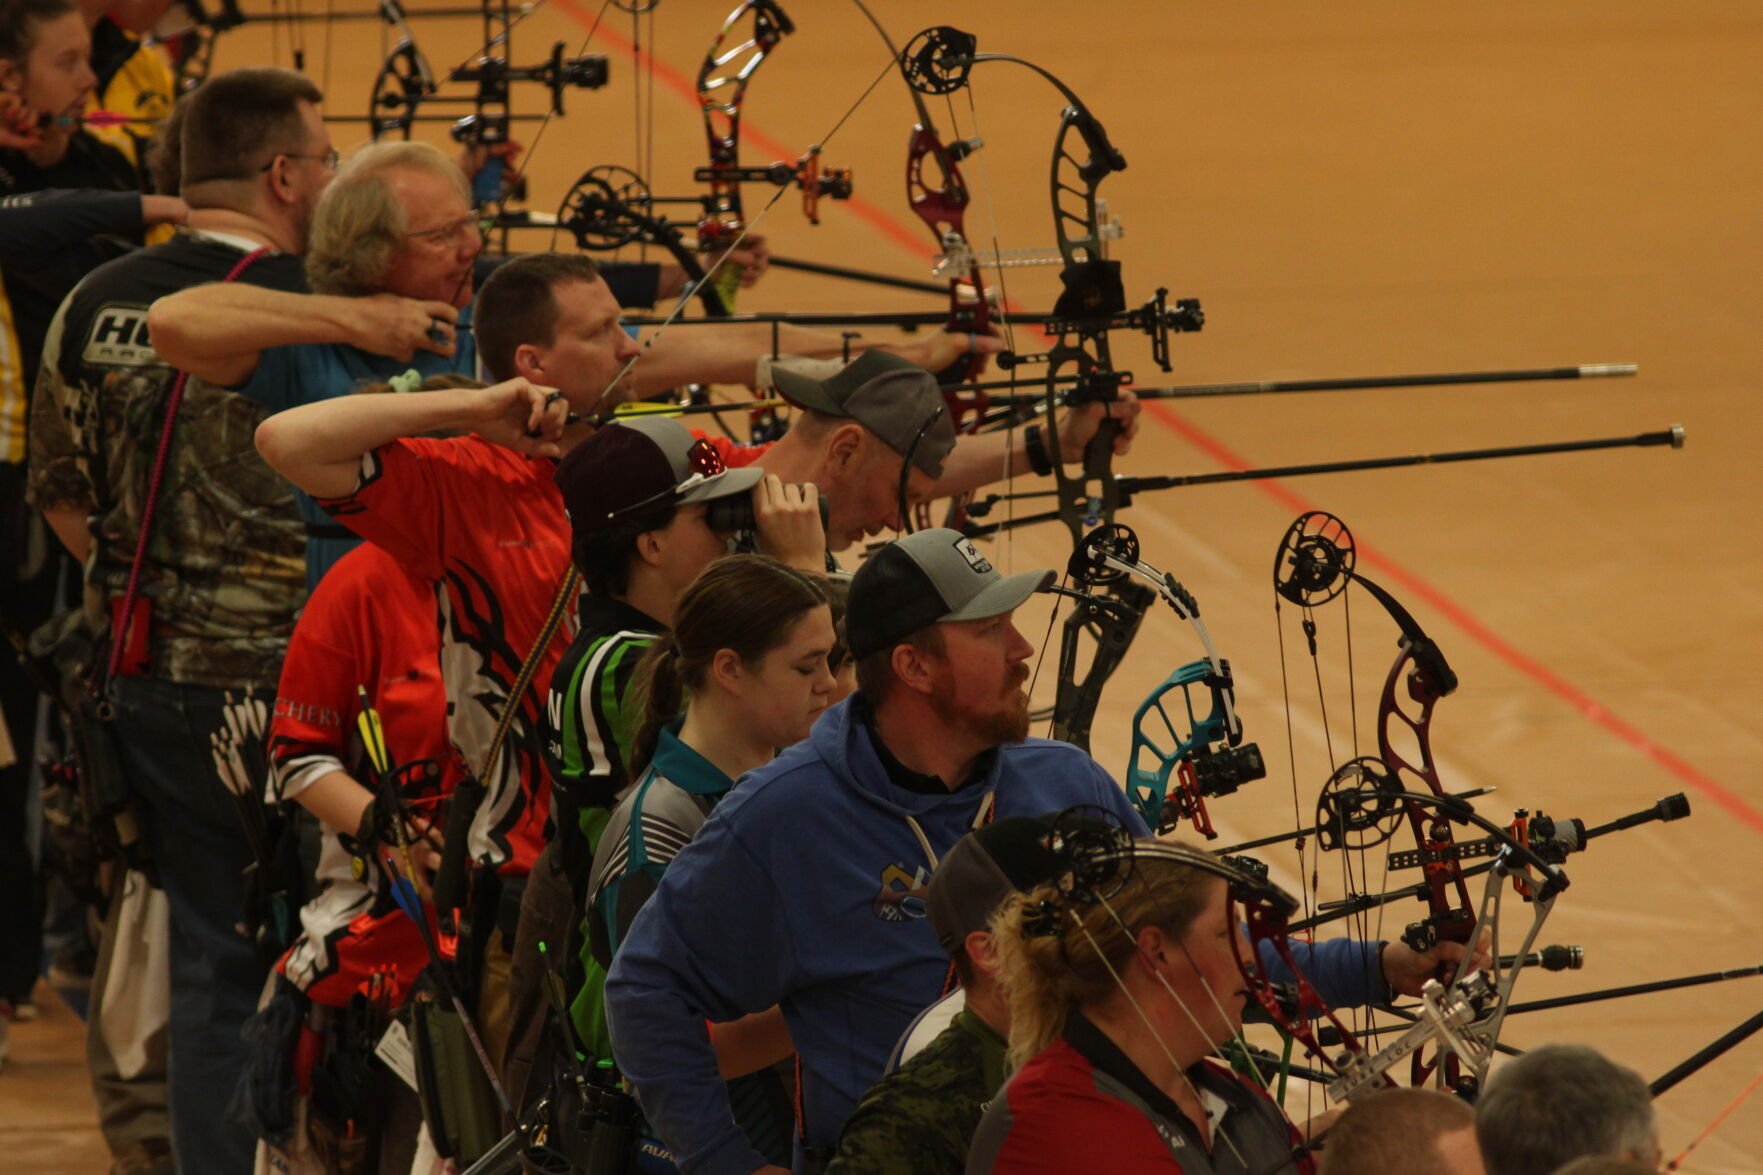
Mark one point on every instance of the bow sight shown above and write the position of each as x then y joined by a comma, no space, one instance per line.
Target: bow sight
405,83
1210,759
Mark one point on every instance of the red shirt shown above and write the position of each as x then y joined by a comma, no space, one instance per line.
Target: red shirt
1088,1108
369,625
488,524
734,454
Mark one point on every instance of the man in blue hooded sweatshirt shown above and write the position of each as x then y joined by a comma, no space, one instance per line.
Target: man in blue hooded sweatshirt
806,887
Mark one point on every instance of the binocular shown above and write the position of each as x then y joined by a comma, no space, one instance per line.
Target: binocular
735,512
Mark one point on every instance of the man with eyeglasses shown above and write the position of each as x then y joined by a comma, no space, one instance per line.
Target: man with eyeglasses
390,263
223,574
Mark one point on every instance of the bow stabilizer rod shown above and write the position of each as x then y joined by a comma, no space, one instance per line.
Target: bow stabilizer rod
1337,384
1616,993
1130,486
1552,840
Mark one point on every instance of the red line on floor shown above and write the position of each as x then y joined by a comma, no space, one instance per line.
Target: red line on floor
1589,707
1593,710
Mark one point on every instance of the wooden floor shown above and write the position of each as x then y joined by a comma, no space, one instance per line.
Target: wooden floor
1362,189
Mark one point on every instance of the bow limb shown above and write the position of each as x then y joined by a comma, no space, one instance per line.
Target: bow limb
722,82
192,43
404,82
938,195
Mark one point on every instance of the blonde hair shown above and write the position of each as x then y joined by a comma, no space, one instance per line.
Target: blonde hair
360,225
1055,957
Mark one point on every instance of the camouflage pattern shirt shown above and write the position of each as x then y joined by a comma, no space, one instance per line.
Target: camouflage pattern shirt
226,561
918,1119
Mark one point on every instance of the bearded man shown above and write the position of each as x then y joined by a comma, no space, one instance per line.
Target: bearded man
807,888
813,870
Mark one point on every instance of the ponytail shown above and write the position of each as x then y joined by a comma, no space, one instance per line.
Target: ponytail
1055,957
657,696
746,603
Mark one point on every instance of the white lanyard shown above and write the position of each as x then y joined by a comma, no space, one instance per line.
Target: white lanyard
980,820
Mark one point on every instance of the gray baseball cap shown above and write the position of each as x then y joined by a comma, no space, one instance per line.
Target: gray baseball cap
894,398
923,579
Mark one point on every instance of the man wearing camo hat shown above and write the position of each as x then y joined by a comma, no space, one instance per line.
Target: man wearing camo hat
814,869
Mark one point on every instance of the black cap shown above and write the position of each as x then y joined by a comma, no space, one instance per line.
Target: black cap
985,867
631,463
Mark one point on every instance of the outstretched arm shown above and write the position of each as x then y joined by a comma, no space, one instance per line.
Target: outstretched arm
981,459
319,446
711,353
217,332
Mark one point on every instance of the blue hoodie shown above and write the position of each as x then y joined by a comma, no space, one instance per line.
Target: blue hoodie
805,889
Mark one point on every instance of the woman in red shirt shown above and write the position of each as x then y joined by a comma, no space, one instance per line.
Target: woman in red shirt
1115,1006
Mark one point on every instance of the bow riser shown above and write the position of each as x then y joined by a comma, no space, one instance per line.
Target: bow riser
1451,915
1206,763
722,87
1294,1017
943,208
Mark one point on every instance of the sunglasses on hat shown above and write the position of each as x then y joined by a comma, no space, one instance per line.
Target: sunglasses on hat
704,462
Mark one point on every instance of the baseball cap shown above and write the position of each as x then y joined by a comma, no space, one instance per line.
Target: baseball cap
985,867
894,398
925,578
631,464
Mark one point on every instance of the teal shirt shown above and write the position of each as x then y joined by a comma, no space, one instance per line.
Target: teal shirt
663,811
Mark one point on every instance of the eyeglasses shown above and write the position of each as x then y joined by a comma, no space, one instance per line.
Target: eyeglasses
905,515
448,235
704,462
329,159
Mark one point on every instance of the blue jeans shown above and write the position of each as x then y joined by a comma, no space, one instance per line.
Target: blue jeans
200,854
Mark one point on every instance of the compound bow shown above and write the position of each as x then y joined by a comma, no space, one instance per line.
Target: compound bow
1366,799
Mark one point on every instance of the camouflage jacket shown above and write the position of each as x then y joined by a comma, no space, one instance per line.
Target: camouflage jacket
919,1119
226,561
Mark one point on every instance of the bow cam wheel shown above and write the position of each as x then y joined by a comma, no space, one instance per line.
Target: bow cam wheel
607,208
1360,806
1096,852
938,60
1315,560
1114,540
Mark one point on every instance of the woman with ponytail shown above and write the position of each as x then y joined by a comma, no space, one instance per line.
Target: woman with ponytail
1115,1008
744,672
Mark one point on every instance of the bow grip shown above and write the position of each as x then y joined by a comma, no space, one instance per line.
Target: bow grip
1101,495
449,886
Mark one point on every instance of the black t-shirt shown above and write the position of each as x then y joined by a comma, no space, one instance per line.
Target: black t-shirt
40,267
